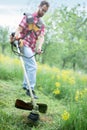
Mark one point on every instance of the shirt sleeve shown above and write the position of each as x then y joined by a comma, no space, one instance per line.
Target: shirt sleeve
23,22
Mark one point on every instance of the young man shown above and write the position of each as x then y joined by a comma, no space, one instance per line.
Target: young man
30,30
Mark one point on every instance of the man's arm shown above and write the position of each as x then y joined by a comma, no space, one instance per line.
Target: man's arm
15,35
18,31
40,43
21,26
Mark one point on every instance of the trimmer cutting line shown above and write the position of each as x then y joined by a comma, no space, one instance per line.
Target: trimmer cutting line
35,107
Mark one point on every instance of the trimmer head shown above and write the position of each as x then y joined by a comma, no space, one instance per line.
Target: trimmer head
33,119
29,106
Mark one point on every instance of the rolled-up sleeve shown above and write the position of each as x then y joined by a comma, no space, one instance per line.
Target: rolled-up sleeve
23,23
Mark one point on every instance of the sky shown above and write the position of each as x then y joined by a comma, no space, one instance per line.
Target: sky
11,11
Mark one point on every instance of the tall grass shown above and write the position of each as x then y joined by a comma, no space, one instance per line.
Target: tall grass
65,86
10,68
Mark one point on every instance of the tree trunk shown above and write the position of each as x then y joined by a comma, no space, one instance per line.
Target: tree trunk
74,66
64,62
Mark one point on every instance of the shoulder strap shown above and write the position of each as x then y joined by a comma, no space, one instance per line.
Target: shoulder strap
30,18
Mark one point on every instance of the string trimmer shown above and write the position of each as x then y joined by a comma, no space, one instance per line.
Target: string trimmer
33,106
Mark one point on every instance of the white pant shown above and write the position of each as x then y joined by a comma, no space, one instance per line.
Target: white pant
30,66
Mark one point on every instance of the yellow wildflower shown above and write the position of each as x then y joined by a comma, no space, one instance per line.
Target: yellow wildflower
77,95
80,94
56,92
65,116
72,80
84,78
57,84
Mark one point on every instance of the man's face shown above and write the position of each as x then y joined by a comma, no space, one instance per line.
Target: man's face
42,10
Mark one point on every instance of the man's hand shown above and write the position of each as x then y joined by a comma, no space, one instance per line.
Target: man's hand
39,51
21,42
12,38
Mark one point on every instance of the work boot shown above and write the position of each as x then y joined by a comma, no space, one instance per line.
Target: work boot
33,92
28,92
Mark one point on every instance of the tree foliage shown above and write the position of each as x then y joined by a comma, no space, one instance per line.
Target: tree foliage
4,33
66,38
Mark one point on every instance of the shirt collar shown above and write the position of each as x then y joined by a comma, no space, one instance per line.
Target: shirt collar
35,14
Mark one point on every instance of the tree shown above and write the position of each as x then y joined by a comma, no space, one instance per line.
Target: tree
4,33
66,37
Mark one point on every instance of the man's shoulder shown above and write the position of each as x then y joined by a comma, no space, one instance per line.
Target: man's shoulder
29,18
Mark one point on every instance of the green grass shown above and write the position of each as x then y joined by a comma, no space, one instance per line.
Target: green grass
16,119
12,118
64,91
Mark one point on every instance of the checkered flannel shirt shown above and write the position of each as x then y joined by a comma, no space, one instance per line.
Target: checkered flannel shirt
30,39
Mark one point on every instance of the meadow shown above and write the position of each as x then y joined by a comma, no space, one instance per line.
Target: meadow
64,91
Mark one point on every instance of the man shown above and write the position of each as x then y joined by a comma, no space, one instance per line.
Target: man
30,30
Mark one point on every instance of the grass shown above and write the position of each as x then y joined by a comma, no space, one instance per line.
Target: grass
64,91
16,119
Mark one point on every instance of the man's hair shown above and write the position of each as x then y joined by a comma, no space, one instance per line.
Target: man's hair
44,2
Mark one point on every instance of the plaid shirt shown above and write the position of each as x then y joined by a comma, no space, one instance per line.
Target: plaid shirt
30,39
